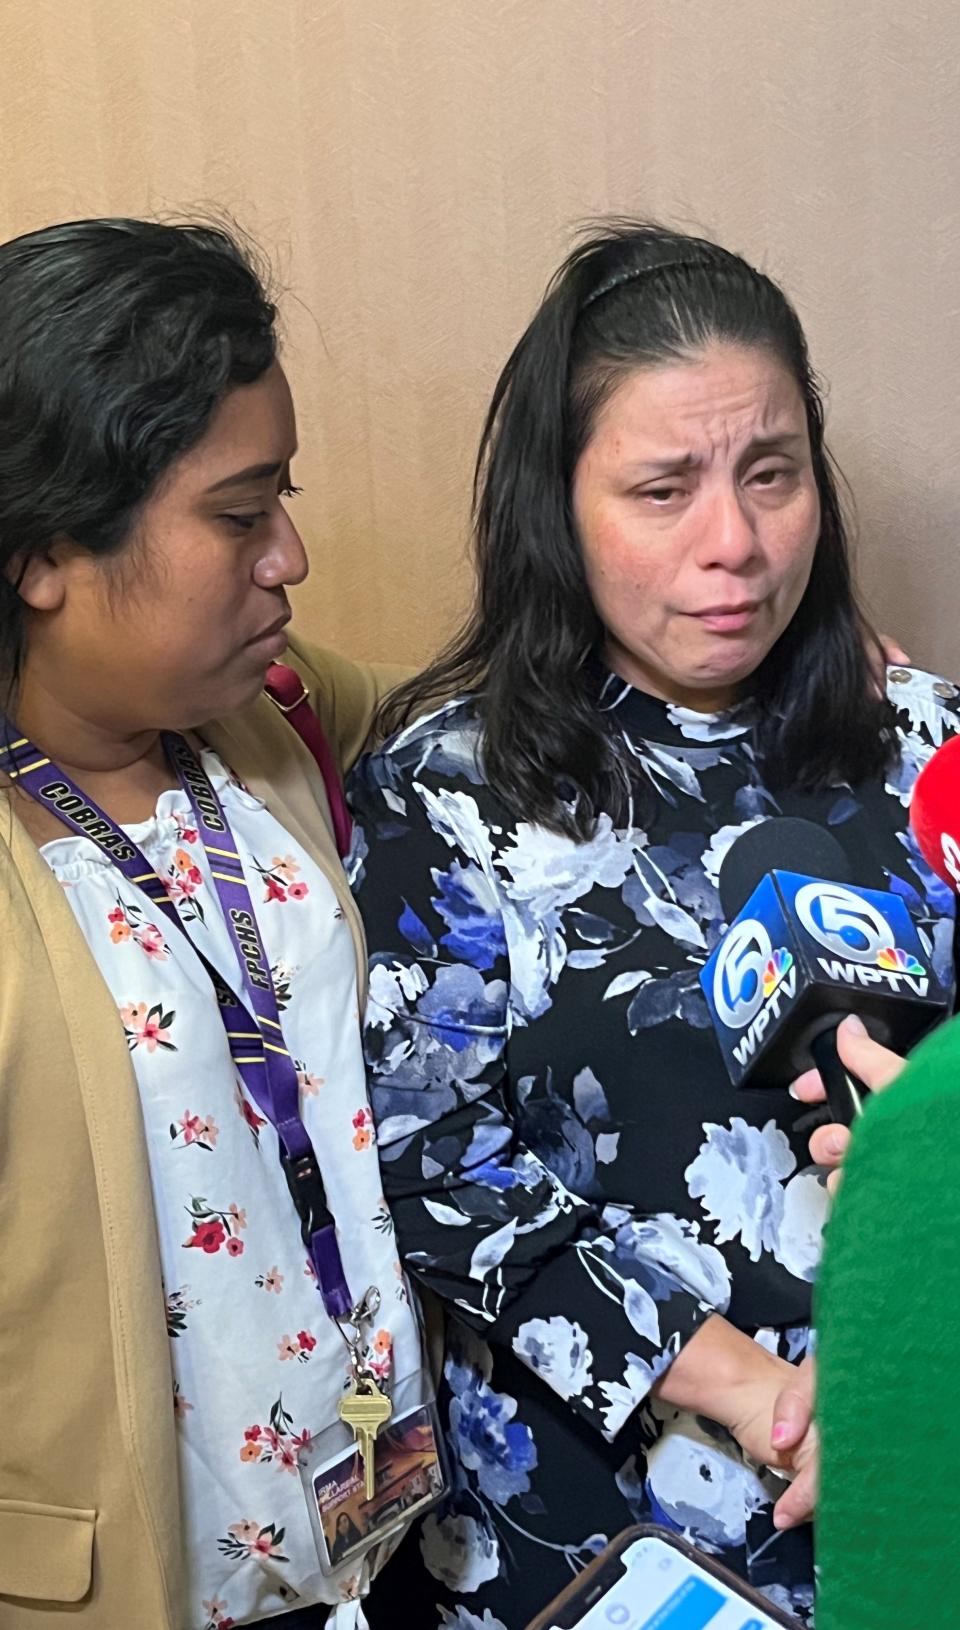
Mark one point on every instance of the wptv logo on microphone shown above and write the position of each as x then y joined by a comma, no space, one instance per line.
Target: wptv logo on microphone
802,952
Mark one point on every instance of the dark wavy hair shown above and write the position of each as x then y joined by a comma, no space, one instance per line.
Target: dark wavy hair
632,295
118,338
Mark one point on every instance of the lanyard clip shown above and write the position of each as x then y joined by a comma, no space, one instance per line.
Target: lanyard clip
307,1192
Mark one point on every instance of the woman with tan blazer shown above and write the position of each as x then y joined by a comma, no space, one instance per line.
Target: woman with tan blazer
175,1335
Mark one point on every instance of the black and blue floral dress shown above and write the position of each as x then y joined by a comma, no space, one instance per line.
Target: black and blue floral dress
570,1171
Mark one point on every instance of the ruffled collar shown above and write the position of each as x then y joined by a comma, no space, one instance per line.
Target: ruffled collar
649,718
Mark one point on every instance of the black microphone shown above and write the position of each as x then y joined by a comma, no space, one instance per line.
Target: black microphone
805,947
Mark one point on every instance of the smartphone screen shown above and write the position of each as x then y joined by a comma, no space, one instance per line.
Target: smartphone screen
662,1589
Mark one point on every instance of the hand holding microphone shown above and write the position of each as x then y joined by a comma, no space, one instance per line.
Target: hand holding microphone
872,1064
935,822
806,947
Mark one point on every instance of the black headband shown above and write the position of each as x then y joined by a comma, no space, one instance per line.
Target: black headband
630,273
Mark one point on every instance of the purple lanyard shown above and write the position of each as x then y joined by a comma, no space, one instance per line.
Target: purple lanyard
259,1056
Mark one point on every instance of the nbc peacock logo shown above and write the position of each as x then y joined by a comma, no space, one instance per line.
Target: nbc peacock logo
895,960
776,970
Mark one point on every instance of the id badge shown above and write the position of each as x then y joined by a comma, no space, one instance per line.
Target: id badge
410,1476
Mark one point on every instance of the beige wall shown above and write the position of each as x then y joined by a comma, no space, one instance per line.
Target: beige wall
415,166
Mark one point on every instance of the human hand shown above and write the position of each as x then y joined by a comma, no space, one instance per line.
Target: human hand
771,1412
876,1067
884,652
795,1435
778,1431
893,653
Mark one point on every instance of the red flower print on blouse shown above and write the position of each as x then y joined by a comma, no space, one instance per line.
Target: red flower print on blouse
188,834
253,1120
188,871
145,1027
203,1132
279,879
213,1228
363,1135
299,1349
151,941
379,1357
276,1443
182,881
127,923
209,1236
217,1617
247,1539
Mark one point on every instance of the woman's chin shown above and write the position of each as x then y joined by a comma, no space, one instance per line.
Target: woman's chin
218,701
734,665
241,696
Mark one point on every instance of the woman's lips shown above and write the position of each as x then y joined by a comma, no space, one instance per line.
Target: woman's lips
728,619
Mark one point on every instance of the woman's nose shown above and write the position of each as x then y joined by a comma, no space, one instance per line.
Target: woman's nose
285,561
729,536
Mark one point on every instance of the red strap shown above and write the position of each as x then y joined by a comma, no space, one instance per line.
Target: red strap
287,691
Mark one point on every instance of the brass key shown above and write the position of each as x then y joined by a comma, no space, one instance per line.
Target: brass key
365,1409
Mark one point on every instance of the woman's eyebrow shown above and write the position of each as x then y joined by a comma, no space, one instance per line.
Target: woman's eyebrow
254,472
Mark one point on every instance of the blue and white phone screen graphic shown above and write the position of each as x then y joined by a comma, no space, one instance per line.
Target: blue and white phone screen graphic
661,1589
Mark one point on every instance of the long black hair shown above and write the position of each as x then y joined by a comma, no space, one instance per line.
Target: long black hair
118,338
632,295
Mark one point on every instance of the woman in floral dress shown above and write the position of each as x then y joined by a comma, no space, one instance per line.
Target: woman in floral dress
666,649
168,1353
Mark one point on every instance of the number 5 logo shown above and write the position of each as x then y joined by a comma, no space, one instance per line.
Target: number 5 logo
738,976
843,922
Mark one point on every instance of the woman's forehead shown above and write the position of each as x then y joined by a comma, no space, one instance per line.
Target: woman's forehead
725,392
252,430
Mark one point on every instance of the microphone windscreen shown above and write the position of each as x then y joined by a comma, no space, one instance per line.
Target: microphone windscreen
935,812
783,844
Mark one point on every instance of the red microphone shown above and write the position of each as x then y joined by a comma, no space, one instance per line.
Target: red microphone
935,812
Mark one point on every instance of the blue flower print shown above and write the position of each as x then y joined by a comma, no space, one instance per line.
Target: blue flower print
415,932
458,1005
489,1441
663,1252
468,905
559,1350
570,1173
558,1137
460,1550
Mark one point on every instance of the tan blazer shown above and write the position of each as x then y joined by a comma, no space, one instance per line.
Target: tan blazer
89,1511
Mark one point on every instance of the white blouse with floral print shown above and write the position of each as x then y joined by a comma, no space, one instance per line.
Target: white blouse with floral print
257,1367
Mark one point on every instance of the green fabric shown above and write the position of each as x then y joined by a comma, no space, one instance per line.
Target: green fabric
888,1310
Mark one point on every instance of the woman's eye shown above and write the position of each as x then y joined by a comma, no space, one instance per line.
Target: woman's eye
662,495
769,478
244,523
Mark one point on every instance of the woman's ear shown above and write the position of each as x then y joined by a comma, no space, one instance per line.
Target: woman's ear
41,580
